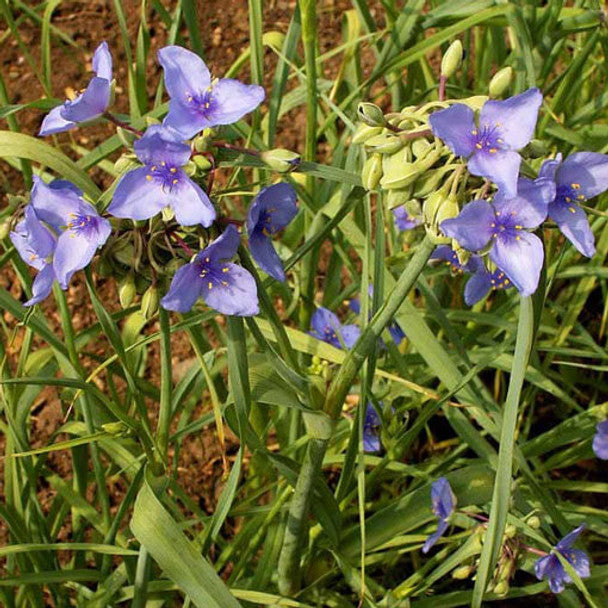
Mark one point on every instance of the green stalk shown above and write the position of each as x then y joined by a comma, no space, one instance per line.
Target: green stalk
289,559
164,415
503,480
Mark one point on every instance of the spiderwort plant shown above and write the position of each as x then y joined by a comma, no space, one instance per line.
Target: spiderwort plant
327,327
36,246
198,101
224,286
443,503
161,182
79,228
503,226
583,175
272,209
90,103
551,568
600,440
491,145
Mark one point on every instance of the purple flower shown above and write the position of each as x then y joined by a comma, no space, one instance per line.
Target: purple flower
580,177
90,104
482,280
371,430
226,287
551,568
197,100
405,221
161,182
394,329
443,504
327,327
272,209
80,228
600,440
504,127
36,246
502,226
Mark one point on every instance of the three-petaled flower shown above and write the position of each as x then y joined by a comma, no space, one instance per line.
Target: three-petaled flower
502,226
600,440
580,177
482,280
161,182
490,146
80,228
197,100
36,245
443,503
90,103
272,209
327,327
551,568
224,286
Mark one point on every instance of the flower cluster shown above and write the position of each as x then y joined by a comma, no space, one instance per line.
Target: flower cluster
61,232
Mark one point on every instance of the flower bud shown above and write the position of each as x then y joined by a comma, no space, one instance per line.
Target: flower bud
439,207
364,132
370,114
510,531
5,228
123,251
429,182
149,302
372,172
462,572
501,81
127,291
398,197
115,428
203,142
397,173
537,148
281,160
385,143
448,210
432,204
534,522
274,40
420,148
452,59
126,137
104,267
167,213
202,162
501,588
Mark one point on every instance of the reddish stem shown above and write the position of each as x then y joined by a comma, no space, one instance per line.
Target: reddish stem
227,146
122,124
178,239
535,551
442,82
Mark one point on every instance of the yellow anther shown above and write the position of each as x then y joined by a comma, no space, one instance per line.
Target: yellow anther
576,186
572,209
518,238
207,260
149,178
225,269
162,163
153,168
210,285
474,132
499,140
478,146
568,199
581,197
224,283
33,256
175,181
493,150
518,227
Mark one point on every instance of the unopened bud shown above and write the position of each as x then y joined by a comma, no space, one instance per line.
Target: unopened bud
281,160
202,143
370,114
452,59
127,291
167,213
149,302
501,81
385,143
537,148
462,572
420,148
5,228
372,172
104,267
501,588
202,162
364,132
274,40
534,522
397,173
115,428
126,137
510,531
413,208
429,182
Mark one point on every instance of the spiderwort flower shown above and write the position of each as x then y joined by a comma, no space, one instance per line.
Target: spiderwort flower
482,280
36,245
403,220
89,104
197,101
80,228
551,568
443,504
327,327
581,176
503,225
490,146
371,430
600,440
224,286
161,182
272,209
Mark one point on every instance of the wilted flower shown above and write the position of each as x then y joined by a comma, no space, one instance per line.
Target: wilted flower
272,209
197,100
600,440
224,286
504,127
80,228
36,245
503,225
482,280
443,504
161,182
371,430
403,220
327,327
580,177
551,568
90,103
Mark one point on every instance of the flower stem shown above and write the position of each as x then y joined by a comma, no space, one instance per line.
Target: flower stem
226,146
164,416
442,82
123,125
